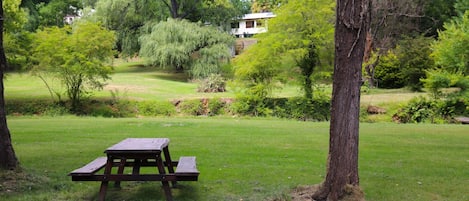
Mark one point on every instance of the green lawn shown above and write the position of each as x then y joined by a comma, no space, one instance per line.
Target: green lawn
243,159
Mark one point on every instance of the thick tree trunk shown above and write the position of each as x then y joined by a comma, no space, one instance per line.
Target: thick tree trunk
350,35
8,158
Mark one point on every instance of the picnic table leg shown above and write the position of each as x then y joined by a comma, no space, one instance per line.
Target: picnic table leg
168,160
120,171
161,170
136,168
105,182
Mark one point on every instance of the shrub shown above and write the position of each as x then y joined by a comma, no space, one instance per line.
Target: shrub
32,107
215,106
191,107
421,109
304,109
213,83
250,105
156,108
108,108
388,72
417,110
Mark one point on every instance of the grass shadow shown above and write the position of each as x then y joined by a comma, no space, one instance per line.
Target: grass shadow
146,191
154,72
171,76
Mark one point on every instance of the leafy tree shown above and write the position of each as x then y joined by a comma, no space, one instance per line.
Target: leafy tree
183,45
15,16
299,38
404,65
414,60
79,62
8,159
388,72
259,6
303,30
16,40
461,6
451,51
352,21
51,13
222,12
126,18
438,79
435,14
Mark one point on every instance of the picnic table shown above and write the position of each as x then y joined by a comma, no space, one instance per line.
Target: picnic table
137,153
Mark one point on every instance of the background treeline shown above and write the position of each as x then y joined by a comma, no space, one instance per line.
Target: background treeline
420,45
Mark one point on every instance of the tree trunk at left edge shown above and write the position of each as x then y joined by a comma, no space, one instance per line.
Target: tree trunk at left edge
8,158
352,22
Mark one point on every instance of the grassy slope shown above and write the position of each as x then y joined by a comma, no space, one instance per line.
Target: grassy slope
245,159
132,80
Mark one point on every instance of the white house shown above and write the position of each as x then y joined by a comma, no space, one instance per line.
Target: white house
251,24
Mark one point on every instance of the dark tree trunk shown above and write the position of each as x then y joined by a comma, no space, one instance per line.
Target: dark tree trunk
350,35
180,9
174,9
8,158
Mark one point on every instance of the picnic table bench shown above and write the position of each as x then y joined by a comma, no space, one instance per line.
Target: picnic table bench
137,153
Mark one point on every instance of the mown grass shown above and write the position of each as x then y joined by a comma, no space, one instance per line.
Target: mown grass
243,159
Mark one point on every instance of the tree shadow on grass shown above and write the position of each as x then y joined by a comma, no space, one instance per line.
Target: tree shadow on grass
156,73
150,191
171,76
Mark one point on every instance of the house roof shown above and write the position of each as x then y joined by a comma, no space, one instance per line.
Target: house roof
252,16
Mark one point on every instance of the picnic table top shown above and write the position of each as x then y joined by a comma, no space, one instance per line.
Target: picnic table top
138,145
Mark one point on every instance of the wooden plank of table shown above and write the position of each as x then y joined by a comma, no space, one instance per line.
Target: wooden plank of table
139,145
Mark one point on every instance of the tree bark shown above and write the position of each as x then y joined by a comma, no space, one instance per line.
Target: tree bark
8,158
352,21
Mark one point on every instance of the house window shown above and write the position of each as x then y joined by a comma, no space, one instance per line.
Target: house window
250,24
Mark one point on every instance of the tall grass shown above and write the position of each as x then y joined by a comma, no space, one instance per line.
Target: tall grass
243,159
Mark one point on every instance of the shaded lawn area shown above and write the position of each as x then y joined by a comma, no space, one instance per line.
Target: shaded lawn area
242,159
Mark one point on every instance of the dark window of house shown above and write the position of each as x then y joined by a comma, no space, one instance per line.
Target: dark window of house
249,24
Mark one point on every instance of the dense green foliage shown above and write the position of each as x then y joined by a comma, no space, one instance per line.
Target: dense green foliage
387,72
16,40
79,62
421,110
126,17
43,13
285,54
298,43
182,45
414,60
451,51
405,65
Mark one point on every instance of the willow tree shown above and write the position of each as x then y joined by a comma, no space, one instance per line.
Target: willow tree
126,18
186,46
352,22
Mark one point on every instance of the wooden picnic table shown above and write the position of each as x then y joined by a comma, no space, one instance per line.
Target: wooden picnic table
137,153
